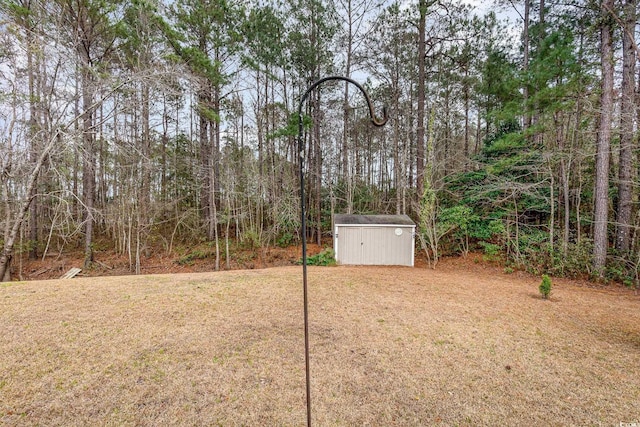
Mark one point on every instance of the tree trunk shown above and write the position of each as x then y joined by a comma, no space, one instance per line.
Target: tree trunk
163,162
345,116
318,168
420,163
467,108
204,169
525,66
88,167
538,137
398,170
145,188
32,66
215,142
564,176
601,193
627,116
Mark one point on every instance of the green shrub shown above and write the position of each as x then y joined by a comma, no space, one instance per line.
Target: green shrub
620,269
250,239
492,252
285,240
576,261
189,258
545,287
324,258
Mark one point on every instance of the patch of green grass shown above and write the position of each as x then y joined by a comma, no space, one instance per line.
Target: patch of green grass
8,284
218,360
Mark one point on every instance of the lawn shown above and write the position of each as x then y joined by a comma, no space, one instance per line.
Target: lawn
462,345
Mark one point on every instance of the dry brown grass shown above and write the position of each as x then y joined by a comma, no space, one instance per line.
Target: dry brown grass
389,346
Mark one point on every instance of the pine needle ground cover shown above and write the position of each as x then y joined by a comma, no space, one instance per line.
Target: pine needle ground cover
389,346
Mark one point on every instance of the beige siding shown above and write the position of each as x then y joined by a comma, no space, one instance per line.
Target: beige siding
374,245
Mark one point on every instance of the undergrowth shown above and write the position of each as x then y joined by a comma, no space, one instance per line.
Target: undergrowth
324,258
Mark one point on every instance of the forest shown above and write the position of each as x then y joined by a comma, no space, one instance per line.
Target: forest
138,126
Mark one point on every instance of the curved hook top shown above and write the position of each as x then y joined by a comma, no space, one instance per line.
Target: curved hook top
376,122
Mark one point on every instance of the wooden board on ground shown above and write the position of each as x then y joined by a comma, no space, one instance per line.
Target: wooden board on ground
71,273
41,271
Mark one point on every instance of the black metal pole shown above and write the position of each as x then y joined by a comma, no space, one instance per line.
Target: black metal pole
303,232
303,219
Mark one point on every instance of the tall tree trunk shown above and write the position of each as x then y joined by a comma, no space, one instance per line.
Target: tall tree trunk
88,167
627,117
318,168
32,69
205,153
145,188
345,116
76,153
538,137
467,108
348,179
216,95
214,168
601,193
420,161
525,65
566,204
163,162
259,113
398,170
447,140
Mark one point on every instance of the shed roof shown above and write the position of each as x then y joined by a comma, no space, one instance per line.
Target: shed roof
342,219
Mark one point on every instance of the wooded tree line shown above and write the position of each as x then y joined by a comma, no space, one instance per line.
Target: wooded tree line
147,124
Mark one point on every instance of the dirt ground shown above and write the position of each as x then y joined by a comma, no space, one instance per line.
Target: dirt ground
462,345
197,258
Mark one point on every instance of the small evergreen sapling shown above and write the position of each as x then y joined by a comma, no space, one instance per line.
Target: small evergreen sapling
545,287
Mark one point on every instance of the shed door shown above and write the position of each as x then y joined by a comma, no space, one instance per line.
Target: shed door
350,245
363,246
373,246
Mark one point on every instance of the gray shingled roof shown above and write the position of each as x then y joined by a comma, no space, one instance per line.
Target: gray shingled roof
343,219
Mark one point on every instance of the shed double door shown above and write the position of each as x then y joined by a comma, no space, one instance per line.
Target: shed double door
365,246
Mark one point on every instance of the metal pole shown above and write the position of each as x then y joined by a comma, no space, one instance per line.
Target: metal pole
303,232
303,220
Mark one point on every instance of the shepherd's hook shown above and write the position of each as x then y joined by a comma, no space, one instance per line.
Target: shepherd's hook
303,223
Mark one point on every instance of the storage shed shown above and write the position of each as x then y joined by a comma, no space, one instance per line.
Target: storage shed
374,239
